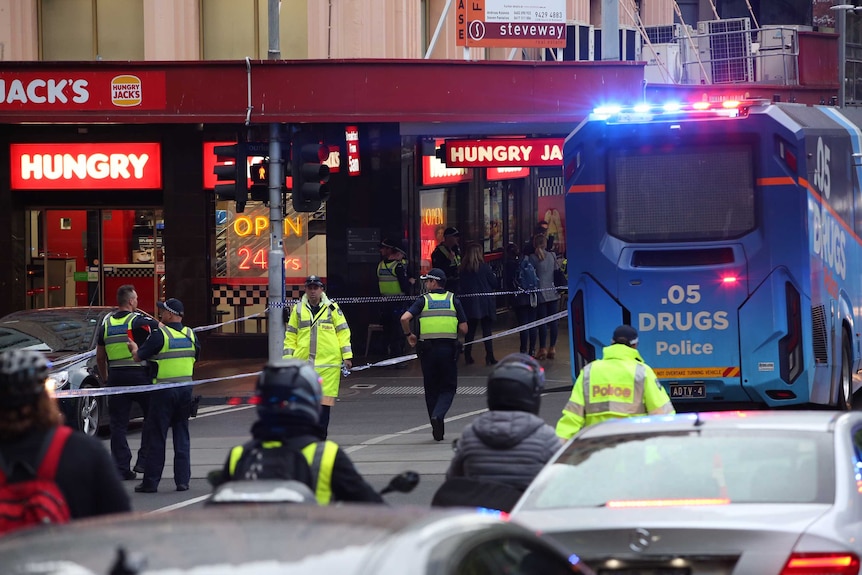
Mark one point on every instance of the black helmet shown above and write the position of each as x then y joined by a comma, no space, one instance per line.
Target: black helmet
22,377
516,384
289,388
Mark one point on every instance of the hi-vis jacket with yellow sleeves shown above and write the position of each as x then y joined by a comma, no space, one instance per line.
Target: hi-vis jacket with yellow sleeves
322,338
619,385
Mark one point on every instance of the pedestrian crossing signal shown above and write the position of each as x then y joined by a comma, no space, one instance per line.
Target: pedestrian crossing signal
310,174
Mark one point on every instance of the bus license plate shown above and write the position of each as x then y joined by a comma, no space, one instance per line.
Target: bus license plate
691,391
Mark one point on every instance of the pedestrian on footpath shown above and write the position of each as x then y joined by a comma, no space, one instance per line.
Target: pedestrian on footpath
441,319
317,332
619,385
547,297
447,257
477,277
76,469
118,369
288,441
393,280
173,350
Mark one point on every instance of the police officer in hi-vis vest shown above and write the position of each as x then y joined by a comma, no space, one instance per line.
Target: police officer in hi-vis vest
618,385
288,409
393,280
118,369
441,319
173,350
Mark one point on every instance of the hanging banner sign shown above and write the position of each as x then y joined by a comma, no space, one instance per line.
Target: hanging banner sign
508,24
515,152
103,166
351,134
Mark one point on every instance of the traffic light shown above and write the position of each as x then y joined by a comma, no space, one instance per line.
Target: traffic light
310,175
232,167
259,191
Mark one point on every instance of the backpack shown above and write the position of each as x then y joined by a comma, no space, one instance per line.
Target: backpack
283,462
528,279
36,500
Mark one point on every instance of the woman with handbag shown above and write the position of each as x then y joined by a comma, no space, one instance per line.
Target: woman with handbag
477,277
548,297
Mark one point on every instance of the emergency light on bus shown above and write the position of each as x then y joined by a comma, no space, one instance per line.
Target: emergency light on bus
646,112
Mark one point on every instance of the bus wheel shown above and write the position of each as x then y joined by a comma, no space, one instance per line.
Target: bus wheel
845,391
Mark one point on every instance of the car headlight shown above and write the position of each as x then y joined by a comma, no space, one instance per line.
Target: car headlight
57,380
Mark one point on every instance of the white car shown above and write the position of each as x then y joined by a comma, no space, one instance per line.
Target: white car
736,493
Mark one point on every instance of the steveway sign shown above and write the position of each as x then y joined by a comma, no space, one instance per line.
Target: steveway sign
511,23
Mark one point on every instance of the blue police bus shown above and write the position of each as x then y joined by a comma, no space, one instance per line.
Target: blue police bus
728,233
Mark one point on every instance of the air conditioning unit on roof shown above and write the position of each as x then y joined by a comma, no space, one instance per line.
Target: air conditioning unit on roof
777,54
579,44
724,48
630,43
663,63
666,34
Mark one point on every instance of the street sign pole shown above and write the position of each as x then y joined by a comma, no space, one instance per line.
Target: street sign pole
276,299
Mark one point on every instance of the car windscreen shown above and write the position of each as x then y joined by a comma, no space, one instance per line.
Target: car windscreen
49,330
727,466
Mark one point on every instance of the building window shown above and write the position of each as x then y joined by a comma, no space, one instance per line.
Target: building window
230,30
91,29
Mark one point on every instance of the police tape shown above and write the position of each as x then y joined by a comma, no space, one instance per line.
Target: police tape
119,390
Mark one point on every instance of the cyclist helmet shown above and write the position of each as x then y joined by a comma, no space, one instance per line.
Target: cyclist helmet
516,384
22,377
289,388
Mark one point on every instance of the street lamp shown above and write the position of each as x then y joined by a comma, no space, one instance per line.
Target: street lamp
841,24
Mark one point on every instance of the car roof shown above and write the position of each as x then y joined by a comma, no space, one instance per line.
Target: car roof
307,538
808,420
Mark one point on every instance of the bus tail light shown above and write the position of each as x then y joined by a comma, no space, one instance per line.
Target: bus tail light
822,564
584,352
790,346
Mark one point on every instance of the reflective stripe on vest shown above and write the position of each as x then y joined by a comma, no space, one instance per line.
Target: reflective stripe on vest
116,339
386,278
321,461
176,359
606,403
438,319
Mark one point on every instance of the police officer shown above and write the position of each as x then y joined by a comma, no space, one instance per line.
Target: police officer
618,385
173,349
289,394
441,318
118,369
447,257
393,281
318,333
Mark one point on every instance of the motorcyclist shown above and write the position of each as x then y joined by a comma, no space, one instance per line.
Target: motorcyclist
288,440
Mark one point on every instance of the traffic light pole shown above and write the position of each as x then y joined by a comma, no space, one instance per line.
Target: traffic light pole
276,299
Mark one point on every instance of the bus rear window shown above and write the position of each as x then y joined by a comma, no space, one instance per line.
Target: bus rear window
674,193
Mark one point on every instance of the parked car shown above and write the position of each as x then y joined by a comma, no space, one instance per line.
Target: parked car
67,336
741,493
287,539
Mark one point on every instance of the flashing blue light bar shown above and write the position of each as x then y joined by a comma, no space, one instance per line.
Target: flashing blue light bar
645,112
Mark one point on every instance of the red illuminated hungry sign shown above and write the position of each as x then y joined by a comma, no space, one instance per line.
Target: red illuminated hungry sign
514,152
103,166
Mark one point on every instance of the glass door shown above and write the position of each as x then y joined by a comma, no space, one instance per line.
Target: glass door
80,257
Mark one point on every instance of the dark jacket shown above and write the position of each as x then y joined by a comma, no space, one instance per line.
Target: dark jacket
508,447
86,474
481,281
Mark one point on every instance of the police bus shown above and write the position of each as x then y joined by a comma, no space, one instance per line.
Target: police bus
727,233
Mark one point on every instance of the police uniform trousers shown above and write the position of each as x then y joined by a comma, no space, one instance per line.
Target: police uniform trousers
439,361
169,408
119,411
390,317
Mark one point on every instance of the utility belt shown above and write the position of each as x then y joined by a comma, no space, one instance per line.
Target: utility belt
425,346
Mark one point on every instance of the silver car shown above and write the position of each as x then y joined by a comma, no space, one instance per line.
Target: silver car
741,493
286,539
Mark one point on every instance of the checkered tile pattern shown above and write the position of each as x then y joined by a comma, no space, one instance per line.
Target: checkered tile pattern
248,295
130,273
551,186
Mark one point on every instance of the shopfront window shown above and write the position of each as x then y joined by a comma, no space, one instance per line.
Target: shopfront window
492,237
436,217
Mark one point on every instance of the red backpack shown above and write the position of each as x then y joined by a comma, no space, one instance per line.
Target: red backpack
37,500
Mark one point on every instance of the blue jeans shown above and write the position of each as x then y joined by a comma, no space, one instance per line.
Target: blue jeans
526,314
169,408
